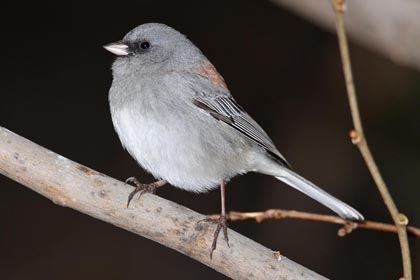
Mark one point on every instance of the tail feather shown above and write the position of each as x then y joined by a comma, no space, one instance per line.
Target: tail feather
301,184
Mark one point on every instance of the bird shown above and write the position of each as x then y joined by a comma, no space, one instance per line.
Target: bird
175,115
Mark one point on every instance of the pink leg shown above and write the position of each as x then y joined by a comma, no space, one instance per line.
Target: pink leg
221,222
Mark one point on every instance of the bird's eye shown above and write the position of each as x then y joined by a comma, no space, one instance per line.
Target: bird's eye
144,45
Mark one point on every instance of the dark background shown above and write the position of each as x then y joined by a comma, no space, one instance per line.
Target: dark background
286,72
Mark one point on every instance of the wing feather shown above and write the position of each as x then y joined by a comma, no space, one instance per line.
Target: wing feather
217,101
226,109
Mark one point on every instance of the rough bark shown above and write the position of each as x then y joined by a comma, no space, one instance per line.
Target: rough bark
70,184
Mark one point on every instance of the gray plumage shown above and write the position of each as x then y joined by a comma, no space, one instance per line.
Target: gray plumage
176,117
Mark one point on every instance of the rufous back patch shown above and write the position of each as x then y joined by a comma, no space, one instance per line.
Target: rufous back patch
209,71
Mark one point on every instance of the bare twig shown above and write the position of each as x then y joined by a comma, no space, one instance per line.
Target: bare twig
359,139
292,214
388,27
70,184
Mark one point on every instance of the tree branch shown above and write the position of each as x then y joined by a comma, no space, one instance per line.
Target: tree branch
359,139
348,227
70,184
388,27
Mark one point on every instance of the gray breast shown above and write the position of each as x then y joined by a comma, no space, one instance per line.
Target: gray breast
173,139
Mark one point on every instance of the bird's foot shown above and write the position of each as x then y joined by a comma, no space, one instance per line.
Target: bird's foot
221,224
142,188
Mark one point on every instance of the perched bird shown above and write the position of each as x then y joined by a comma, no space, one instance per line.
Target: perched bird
176,117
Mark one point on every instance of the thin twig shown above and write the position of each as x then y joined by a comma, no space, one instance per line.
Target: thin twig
387,27
292,214
70,184
359,139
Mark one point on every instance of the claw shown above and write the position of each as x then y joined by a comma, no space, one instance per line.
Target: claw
142,188
221,224
132,180
136,190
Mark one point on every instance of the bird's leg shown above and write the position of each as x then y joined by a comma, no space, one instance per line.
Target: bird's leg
221,222
142,188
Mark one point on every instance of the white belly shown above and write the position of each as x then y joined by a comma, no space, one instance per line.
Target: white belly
172,148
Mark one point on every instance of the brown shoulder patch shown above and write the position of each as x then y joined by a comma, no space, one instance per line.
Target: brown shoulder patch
209,71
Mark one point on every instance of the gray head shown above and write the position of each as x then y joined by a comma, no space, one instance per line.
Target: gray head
153,47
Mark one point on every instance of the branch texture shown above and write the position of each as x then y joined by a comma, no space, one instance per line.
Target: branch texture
70,184
388,27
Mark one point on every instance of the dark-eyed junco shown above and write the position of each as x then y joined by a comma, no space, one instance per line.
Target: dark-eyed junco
175,115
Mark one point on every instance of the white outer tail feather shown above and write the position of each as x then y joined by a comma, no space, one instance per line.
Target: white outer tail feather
301,184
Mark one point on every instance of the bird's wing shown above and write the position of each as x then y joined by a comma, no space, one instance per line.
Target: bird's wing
217,101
